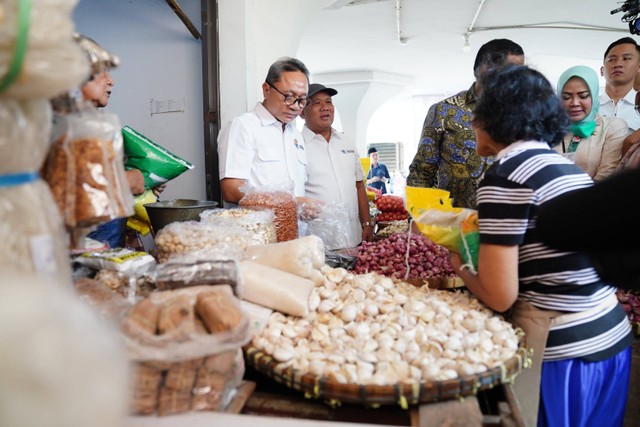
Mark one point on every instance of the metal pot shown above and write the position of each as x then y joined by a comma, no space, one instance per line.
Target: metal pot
168,211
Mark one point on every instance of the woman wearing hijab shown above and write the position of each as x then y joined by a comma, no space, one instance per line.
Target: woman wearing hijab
594,142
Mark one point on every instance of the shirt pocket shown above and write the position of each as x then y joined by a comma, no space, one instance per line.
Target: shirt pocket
269,154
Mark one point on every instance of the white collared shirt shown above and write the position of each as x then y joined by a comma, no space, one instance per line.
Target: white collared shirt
256,148
624,109
333,170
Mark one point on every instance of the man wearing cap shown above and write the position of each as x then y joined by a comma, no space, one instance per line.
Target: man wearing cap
378,173
334,172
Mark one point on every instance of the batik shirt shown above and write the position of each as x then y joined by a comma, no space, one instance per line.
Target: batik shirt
446,156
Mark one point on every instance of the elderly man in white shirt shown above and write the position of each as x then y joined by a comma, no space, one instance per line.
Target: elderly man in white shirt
263,147
334,172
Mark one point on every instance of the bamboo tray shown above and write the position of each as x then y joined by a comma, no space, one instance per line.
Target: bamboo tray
404,394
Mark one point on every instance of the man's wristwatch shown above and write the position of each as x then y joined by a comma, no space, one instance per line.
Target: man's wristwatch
367,224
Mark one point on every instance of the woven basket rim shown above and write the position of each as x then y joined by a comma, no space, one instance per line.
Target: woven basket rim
403,394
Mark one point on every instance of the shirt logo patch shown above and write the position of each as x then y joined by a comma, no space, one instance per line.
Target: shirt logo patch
298,145
348,151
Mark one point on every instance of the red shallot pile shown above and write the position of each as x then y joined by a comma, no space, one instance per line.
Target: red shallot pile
389,257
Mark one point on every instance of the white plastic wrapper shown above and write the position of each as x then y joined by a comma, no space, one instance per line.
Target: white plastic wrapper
124,261
33,239
53,63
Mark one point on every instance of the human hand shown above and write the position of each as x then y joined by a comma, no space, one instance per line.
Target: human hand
309,208
629,141
367,234
455,261
158,189
136,181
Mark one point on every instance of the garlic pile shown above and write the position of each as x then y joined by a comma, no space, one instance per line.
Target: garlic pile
370,329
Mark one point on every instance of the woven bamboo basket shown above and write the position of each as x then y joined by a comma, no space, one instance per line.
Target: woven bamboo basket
403,394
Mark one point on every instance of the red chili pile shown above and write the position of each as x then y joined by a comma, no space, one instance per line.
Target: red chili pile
389,257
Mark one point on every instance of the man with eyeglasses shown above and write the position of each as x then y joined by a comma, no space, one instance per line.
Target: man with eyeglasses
263,146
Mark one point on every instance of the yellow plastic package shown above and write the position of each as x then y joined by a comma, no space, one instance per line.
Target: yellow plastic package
140,219
454,228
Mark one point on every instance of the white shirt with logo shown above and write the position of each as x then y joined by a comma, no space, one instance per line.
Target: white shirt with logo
256,148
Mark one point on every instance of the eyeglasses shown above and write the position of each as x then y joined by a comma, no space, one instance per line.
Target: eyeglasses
637,106
290,99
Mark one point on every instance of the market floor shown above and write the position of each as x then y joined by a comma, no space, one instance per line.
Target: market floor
632,416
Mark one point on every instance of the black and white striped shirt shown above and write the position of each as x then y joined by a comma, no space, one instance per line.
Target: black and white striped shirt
523,177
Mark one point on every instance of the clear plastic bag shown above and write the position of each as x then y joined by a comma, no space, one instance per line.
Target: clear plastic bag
258,223
179,238
199,268
85,168
32,232
283,203
39,39
331,224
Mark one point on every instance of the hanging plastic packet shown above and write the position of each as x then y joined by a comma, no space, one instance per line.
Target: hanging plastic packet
33,239
454,228
85,168
279,198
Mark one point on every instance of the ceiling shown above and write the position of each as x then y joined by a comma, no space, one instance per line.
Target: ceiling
427,45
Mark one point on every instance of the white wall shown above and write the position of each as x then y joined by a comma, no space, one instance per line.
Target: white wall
160,60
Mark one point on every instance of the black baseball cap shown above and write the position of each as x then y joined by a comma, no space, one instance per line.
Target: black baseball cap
317,87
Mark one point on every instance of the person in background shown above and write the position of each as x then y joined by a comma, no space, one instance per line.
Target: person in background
578,331
630,146
378,174
263,146
594,142
621,64
97,90
446,156
335,174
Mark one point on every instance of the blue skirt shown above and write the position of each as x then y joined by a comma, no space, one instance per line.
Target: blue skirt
578,393
112,233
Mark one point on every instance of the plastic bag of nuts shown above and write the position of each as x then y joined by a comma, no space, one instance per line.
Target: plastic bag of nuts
259,223
179,238
284,205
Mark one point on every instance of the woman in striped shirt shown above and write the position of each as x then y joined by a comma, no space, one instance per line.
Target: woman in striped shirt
580,334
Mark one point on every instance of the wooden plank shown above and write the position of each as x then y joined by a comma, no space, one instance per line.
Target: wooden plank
512,401
242,395
452,413
184,18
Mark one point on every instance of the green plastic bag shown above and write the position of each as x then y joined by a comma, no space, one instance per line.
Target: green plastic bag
157,164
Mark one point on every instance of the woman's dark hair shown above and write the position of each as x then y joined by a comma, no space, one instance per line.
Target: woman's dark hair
517,103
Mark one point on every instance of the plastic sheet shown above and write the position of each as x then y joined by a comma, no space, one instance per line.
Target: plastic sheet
331,225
